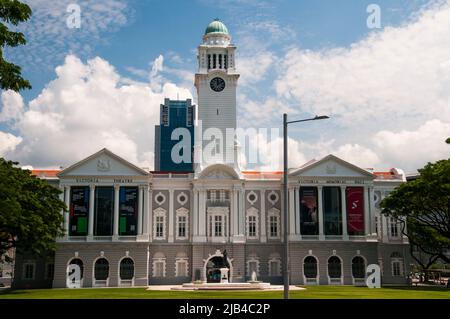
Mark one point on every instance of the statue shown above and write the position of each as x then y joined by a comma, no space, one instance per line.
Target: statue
225,259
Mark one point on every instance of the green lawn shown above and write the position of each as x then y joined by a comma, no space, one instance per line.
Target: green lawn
312,292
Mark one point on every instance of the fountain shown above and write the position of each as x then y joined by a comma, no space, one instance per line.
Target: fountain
253,278
222,265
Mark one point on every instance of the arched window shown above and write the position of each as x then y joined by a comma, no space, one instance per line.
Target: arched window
101,269
358,267
126,269
334,267
79,262
310,267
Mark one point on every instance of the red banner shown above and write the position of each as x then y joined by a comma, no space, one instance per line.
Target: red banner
355,210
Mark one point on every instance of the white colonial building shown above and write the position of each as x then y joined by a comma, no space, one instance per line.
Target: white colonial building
127,226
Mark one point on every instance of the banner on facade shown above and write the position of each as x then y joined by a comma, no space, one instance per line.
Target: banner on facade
128,210
308,211
79,210
355,210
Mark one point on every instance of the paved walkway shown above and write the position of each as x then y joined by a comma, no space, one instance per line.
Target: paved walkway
177,287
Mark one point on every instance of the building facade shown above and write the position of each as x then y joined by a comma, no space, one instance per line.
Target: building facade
176,124
130,227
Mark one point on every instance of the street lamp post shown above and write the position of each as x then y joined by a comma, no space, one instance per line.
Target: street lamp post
285,197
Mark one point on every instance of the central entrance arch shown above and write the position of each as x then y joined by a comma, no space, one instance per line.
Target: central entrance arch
211,268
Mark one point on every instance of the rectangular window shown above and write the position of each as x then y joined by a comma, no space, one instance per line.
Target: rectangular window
225,64
165,115
252,226
104,210
190,116
181,226
49,271
128,210
355,210
273,226
396,269
160,226
332,211
394,228
28,271
218,227
309,220
79,211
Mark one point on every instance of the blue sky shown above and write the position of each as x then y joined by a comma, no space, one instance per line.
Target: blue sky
304,57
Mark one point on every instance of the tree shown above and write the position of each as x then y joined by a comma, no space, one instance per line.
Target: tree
12,12
30,211
423,205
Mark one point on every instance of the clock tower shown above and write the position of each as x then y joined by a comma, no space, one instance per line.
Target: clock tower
216,82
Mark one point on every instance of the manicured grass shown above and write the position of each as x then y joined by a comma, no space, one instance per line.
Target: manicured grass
312,292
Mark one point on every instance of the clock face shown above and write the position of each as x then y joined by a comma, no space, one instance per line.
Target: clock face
217,84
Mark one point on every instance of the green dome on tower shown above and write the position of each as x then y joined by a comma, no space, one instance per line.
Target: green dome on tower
216,26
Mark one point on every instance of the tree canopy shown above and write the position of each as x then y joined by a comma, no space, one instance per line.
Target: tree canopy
30,211
12,12
424,204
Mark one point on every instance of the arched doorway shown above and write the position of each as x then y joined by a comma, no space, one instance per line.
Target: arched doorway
212,268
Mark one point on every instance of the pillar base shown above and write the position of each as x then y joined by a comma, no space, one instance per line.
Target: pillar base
238,239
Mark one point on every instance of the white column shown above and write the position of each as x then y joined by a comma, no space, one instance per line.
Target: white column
140,197
202,215
171,216
366,211
344,213
241,214
404,237
195,219
116,212
235,214
91,210
150,214
291,220
66,213
232,214
297,212
384,223
146,212
372,211
263,221
321,222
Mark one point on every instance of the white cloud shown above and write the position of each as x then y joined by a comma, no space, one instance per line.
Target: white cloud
254,67
87,107
394,81
269,152
413,149
358,155
49,38
8,143
397,74
12,106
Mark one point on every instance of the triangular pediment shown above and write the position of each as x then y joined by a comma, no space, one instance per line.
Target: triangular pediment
103,163
330,166
219,171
